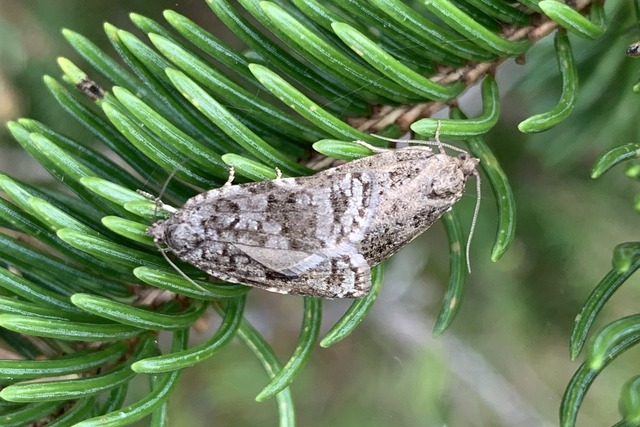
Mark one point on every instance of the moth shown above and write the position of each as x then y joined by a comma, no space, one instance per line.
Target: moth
319,235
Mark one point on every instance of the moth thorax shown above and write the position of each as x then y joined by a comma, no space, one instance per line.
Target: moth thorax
181,236
157,232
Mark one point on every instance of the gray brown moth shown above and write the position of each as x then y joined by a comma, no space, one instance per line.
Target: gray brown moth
319,235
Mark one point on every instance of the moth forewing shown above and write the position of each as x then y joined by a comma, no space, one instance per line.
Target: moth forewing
320,235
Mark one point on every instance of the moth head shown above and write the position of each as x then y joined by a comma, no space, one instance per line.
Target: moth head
181,236
157,232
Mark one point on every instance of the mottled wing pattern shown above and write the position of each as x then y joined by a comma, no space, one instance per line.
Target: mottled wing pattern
317,235
341,276
305,234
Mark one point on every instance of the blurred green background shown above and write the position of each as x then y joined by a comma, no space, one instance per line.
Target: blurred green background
504,362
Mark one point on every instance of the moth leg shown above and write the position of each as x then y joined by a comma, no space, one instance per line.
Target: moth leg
159,203
146,194
232,174
278,174
437,137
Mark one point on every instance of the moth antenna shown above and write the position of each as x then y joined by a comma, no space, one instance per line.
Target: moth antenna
157,199
176,268
474,219
168,180
438,144
421,142
441,145
376,150
159,203
146,194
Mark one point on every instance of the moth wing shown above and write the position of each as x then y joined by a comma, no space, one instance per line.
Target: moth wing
297,236
294,263
289,262
308,214
343,276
